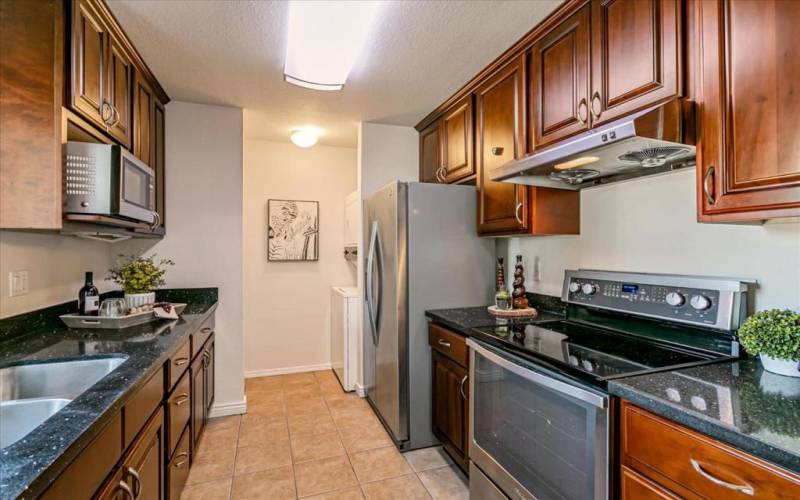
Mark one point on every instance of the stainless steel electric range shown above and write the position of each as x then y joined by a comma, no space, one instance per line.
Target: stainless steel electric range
540,417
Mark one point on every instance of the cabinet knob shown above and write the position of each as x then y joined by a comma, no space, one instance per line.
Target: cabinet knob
596,102
497,151
583,111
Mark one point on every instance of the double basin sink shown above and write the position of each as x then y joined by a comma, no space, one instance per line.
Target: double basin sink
32,393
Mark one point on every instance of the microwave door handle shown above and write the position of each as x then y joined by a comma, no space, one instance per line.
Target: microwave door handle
540,379
156,221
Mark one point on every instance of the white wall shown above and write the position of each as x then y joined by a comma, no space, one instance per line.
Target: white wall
287,304
649,225
204,227
56,265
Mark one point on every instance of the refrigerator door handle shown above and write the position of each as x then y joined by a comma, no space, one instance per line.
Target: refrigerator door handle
368,281
379,301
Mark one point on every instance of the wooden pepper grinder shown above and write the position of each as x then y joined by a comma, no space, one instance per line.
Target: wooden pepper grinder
519,301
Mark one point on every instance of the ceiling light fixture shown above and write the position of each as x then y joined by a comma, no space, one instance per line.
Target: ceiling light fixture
577,162
305,137
325,39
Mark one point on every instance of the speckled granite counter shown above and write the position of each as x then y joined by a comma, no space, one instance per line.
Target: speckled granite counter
736,402
28,466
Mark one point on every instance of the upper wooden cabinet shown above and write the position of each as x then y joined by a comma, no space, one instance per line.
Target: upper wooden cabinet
120,78
430,154
637,48
500,117
748,72
143,102
559,86
457,142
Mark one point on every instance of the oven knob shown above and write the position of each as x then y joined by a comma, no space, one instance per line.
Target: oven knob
589,289
574,287
675,299
700,302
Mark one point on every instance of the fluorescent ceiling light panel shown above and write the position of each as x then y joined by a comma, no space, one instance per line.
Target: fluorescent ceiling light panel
325,39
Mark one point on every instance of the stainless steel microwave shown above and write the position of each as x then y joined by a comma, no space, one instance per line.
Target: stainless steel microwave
105,179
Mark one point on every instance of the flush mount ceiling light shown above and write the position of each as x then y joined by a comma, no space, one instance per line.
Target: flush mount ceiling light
325,39
305,137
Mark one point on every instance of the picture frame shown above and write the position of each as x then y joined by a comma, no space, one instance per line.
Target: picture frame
292,230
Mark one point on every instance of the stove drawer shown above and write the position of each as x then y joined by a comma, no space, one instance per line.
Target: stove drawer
692,464
451,344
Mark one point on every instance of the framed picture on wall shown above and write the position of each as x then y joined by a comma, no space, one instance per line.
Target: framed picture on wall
292,230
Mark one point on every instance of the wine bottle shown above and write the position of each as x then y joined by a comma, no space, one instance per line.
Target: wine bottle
88,297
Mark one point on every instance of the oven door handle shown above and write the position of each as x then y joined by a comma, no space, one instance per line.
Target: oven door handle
570,390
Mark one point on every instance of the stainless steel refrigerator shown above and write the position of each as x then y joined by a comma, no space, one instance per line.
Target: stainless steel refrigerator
423,253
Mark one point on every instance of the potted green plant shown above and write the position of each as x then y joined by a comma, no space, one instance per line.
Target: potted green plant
139,277
774,336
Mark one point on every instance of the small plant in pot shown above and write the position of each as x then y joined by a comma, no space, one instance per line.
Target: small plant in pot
139,277
774,336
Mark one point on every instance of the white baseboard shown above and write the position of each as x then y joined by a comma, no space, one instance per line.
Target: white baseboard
230,408
361,391
283,371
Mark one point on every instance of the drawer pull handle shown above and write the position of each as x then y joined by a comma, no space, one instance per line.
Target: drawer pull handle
180,361
710,198
126,489
137,482
444,343
181,399
463,381
741,488
181,463
206,330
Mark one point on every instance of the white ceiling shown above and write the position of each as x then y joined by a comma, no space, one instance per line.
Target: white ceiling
231,53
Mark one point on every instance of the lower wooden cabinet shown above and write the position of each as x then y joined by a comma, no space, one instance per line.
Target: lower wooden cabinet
202,374
450,388
178,466
663,459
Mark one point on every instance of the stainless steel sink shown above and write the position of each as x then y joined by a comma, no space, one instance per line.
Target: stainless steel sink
64,379
30,394
22,416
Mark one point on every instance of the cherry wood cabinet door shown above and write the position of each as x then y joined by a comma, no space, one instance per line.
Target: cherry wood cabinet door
144,466
120,82
637,58
636,487
500,115
450,405
430,156
88,92
159,160
749,74
198,400
209,376
457,145
559,86
143,103
115,487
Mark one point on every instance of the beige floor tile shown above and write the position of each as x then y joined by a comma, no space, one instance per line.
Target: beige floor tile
310,408
397,488
257,458
223,423
219,438
311,424
381,463
346,494
369,437
273,484
299,399
212,490
446,483
263,383
302,389
296,379
262,433
267,410
204,470
322,476
315,446
207,453
357,418
345,402
265,398
426,458
331,389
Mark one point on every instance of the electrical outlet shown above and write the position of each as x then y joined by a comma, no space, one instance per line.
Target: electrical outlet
537,269
17,283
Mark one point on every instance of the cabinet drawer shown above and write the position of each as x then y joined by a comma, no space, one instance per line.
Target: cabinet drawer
696,463
179,411
636,487
178,470
136,411
201,335
451,344
179,363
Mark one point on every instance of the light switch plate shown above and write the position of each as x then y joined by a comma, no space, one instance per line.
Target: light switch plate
17,283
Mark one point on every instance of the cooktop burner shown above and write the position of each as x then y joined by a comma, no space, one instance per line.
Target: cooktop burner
587,351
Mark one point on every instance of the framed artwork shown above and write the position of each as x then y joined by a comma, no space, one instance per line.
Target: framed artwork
292,230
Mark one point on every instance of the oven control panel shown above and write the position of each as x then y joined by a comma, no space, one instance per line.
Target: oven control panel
695,300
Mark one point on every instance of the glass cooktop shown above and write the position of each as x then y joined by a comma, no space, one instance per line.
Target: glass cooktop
593,353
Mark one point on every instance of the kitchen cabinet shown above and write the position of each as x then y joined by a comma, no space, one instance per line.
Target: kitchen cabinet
159,160
446,146
202,373
696,466
143,102
559,83
748,159
120,81
430,156
637,62
450,386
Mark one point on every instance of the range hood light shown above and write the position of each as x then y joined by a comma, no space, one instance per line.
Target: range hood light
324,41
577,162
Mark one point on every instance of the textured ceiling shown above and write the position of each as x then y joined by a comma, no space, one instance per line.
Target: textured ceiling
231,53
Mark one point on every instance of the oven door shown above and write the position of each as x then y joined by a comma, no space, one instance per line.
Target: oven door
535,435
136,188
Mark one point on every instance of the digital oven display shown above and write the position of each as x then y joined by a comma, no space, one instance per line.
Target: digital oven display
630,288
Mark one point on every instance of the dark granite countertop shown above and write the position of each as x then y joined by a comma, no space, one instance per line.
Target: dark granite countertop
28,466
736,402
464,319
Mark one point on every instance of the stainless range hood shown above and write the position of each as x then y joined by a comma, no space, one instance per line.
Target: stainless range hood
656,140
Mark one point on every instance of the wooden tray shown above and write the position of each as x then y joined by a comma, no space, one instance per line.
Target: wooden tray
528,312
105,322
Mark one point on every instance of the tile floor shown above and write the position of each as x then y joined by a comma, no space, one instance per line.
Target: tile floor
303,437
